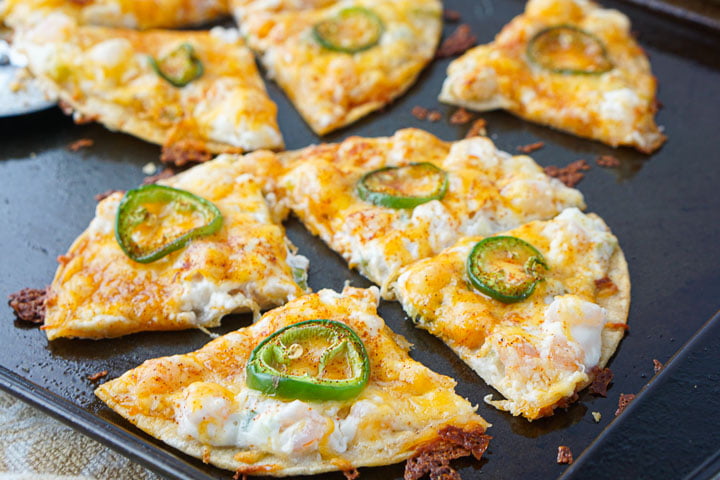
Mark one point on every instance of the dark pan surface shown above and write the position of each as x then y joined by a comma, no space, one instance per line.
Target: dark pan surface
665,210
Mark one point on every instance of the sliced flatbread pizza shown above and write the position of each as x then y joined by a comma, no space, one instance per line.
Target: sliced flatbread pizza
568,64
383,203
535,311
137,14
192,92
340,60
174,256
317,385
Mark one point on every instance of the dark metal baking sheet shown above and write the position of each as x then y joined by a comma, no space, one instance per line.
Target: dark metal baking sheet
665,210
671,429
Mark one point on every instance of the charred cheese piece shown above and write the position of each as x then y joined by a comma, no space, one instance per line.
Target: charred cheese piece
527,71
332,88
138,14
99,292
107,75
540,351
487,191
200,404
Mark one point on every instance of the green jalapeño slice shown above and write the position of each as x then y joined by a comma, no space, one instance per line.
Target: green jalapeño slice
311,360
505,268
352,30
403,187
155,220
569,50
179,67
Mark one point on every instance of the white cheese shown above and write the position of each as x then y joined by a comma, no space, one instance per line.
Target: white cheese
584,321
208,301
619,105
213,415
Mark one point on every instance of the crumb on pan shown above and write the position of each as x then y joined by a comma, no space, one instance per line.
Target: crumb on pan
601,381
29,304
623,402
564,455
419,112
570,175
460,117
434,116
451,15
180,155
452,442
477,129
531,147
657,366
458,41
607,161
597,416
97,376
351,474
163,174
422,113
102,196
79,144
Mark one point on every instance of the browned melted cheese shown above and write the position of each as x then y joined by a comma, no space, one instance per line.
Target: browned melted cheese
105,74
616,107
99,292
332,89
199,402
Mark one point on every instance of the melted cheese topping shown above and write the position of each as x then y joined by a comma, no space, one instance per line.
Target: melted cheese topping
489,191
332,89
536,352
142,14
199,401
616,107
99,292
105,74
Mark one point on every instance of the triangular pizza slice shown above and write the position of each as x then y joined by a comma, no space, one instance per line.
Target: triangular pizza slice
317,385
137,14
568,64
383,203
181,254
536,311
192,92
340,60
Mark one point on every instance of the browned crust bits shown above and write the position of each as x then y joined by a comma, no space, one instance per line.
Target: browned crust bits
564,455
460,117
102,196
570,175
607,161
451,15
29,304
452,442
531,147
623,402
80,144
601,381
97,376
657,366
477,128
458,41
162,175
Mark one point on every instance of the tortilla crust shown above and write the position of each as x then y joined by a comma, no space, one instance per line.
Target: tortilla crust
616,303
147,394
104,75
140,14
616,107
98,292
333,89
